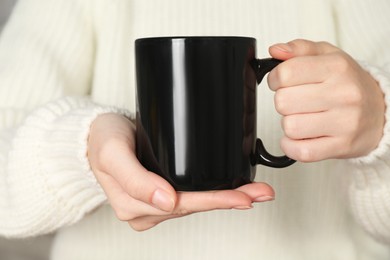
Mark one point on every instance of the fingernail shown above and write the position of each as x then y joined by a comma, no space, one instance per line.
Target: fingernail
162,200
264,198
243,207
284,47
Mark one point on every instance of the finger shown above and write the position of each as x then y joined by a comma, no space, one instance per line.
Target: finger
258,191
300,71
300,47
194,202
313,150
111,151
124,206
309,98
147,222
312,125
190,202
332,123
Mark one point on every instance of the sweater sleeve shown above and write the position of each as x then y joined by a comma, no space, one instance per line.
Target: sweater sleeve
363,32
46,56
45,179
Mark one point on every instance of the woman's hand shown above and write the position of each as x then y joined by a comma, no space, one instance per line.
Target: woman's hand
331,107
142,198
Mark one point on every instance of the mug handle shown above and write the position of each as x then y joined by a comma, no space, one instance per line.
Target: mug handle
261,156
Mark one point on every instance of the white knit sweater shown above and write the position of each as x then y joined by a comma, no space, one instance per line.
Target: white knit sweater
63,62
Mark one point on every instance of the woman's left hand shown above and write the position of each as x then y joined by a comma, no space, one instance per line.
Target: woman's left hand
331,107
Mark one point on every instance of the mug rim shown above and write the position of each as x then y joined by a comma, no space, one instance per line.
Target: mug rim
190,38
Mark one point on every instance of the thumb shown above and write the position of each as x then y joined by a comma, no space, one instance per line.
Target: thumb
300,47
111,153
147,186
124,168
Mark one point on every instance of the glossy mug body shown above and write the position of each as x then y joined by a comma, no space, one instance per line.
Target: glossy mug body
196,110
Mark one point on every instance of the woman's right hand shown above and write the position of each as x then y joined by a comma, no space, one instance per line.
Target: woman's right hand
143,198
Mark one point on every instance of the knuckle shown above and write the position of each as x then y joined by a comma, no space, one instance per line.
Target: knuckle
290,127
106,155
354,97
303,43
137,191
327,46
122,212
280,101
140,225
136,226
121,216
137,188
132,187
306,154
302,150
349,95
340,62
282,74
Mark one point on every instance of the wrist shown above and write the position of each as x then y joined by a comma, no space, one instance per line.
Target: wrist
383,147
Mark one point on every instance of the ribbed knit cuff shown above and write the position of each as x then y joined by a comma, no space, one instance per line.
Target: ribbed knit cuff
50,175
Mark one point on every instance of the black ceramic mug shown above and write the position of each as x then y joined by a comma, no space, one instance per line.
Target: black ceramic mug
196,110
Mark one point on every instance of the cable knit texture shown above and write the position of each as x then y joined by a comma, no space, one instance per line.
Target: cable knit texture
64,62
